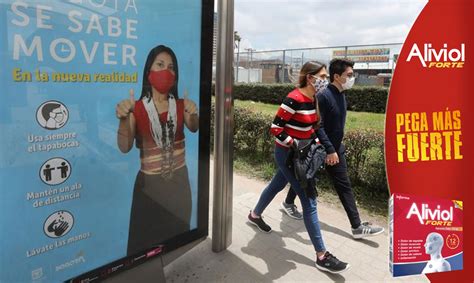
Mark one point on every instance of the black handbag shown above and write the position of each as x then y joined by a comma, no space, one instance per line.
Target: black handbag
301,163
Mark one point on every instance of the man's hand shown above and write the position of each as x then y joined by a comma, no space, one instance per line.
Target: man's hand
294,144
332,159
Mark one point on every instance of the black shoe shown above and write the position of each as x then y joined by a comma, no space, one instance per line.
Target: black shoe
259,223
331,264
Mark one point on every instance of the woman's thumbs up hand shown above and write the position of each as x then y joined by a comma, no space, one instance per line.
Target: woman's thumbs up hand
126,106
190,107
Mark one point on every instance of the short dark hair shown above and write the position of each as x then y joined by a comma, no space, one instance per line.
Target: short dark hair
339,66
48,108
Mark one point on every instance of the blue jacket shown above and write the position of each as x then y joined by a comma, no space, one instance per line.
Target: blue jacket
333,110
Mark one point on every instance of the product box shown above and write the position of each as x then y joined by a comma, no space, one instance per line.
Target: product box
426,234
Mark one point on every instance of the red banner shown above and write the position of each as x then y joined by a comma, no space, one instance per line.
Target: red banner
429,133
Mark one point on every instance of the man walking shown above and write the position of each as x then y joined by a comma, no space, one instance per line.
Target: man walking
333,108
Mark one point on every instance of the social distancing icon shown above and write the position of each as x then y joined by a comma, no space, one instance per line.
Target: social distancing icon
55,171
52,115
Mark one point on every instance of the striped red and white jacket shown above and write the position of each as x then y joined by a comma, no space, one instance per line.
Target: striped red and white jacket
296,118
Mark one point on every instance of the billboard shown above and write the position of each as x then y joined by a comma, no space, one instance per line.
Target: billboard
365,55
104,122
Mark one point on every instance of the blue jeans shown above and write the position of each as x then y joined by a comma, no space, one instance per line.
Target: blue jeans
278,183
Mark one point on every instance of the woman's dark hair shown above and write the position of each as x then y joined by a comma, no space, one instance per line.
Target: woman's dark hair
311,68
146,87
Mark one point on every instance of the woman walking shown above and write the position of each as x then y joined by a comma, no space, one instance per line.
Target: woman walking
297,119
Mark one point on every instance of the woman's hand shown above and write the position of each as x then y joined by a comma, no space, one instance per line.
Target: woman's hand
127,123
126,106
191,116
332,159
189,106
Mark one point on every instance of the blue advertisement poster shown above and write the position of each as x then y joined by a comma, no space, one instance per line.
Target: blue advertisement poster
100,108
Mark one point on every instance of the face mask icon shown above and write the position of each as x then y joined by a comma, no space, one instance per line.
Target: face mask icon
59,115
59,118
52,115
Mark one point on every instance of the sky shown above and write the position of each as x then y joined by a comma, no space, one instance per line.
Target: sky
279,24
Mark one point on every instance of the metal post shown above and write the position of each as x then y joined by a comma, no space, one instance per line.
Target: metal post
284,66
251,63
223,131
291,60
248,64
394,60
238,62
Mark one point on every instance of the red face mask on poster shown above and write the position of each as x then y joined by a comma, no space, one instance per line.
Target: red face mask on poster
162,80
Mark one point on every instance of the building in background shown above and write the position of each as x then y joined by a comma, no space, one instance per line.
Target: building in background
374,64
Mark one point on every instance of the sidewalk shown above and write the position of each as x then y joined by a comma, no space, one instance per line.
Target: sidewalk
286,254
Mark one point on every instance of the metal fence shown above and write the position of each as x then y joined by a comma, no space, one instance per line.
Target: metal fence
374,64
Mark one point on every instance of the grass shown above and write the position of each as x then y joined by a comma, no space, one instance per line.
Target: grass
268,109
354,120
253,167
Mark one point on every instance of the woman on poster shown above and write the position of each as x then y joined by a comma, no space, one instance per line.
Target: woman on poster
161,205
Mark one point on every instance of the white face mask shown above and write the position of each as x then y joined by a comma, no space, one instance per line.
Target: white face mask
320,84
59,118
348,84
